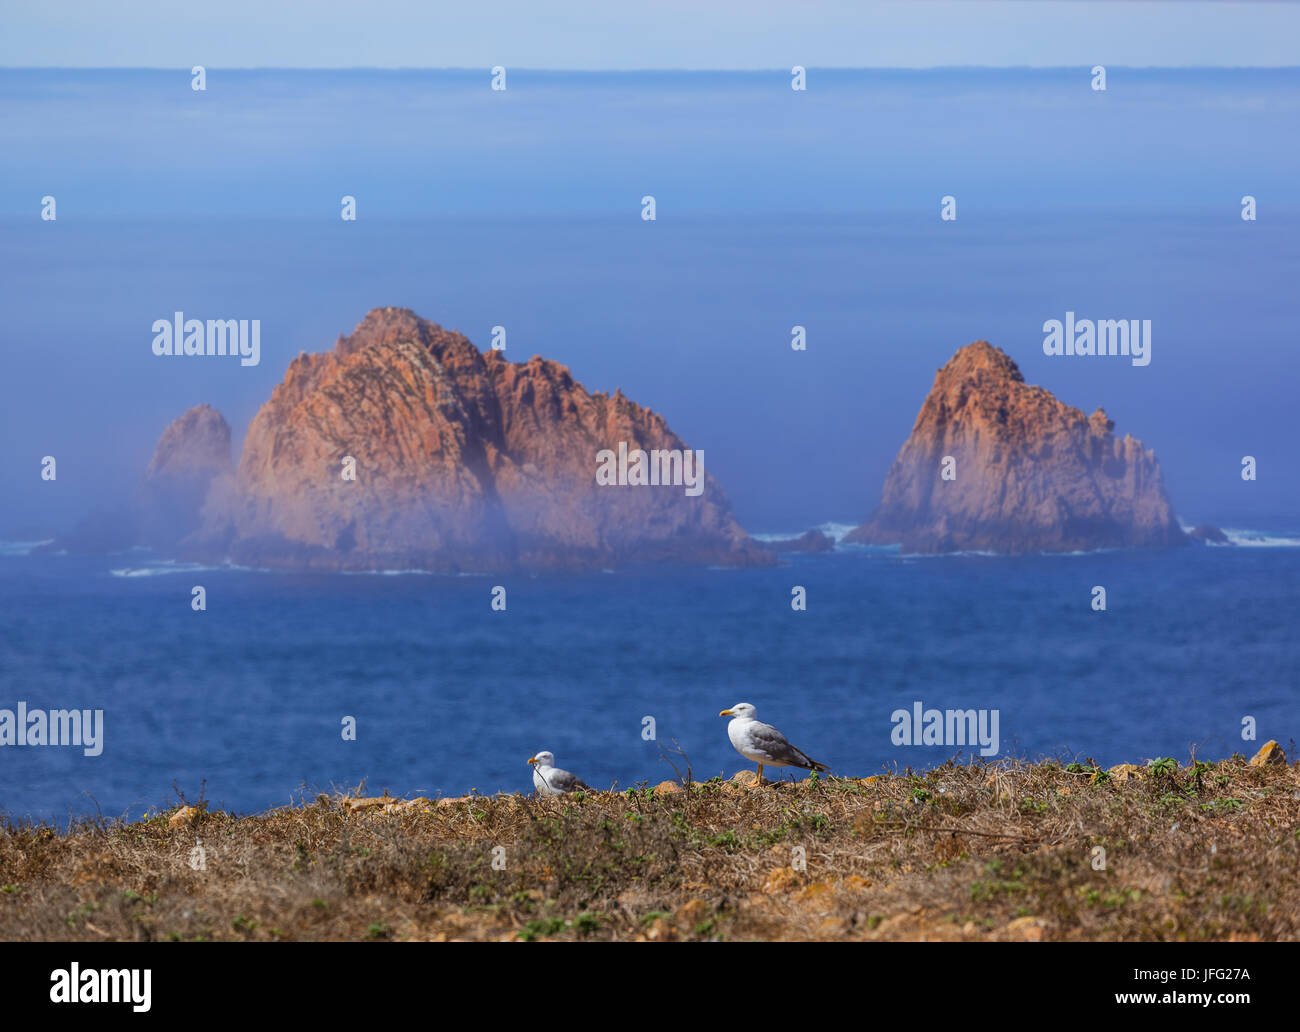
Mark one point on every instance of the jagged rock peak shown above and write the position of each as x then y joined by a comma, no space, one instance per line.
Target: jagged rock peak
1100,422
198,441
996,464
393,325
980,359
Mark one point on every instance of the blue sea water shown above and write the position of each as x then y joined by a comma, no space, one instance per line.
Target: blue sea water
246,699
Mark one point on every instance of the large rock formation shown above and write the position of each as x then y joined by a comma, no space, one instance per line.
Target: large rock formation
464,462
1031,473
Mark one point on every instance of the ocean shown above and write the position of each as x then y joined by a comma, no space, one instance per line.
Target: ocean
244,703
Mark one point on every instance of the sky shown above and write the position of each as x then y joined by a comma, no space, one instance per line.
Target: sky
143,144
667,34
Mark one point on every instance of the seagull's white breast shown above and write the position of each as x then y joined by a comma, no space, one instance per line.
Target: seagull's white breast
738,730
541,780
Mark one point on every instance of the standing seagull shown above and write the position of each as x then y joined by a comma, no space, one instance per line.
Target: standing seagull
548,779
762,743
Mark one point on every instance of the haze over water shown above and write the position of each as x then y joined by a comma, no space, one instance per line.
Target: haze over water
775,209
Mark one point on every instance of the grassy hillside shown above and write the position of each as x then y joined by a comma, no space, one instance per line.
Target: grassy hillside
1005,851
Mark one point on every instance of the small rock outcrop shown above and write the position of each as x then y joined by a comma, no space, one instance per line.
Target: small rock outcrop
811,541
995,464
192,452
1270,754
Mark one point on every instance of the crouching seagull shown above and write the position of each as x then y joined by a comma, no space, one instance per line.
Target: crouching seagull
548,779
762,743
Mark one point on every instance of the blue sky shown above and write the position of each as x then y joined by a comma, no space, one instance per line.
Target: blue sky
141,144
666,34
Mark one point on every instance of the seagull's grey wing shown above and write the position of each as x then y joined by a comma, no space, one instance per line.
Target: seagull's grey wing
767,739
566,782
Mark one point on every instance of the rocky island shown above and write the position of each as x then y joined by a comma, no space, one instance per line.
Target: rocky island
405,447
995,464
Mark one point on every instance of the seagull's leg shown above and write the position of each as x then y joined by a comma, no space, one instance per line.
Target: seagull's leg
759,779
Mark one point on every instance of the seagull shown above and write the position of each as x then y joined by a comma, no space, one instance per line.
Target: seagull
762,743
548,779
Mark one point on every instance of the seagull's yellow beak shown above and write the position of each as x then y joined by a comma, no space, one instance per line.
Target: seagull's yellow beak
533,759
727,713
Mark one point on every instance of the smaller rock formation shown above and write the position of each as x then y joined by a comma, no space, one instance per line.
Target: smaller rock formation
192,452
995,464
1208,534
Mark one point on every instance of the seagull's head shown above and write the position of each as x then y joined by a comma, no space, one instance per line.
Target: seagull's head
543,759
741,709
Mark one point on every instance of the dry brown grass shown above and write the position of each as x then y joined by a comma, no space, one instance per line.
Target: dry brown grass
962,852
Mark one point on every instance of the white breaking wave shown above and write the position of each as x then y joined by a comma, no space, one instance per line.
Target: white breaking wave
1248,538
21,547
168,566
835,531
1236,536
772,537
1259,539
386,573
162,569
